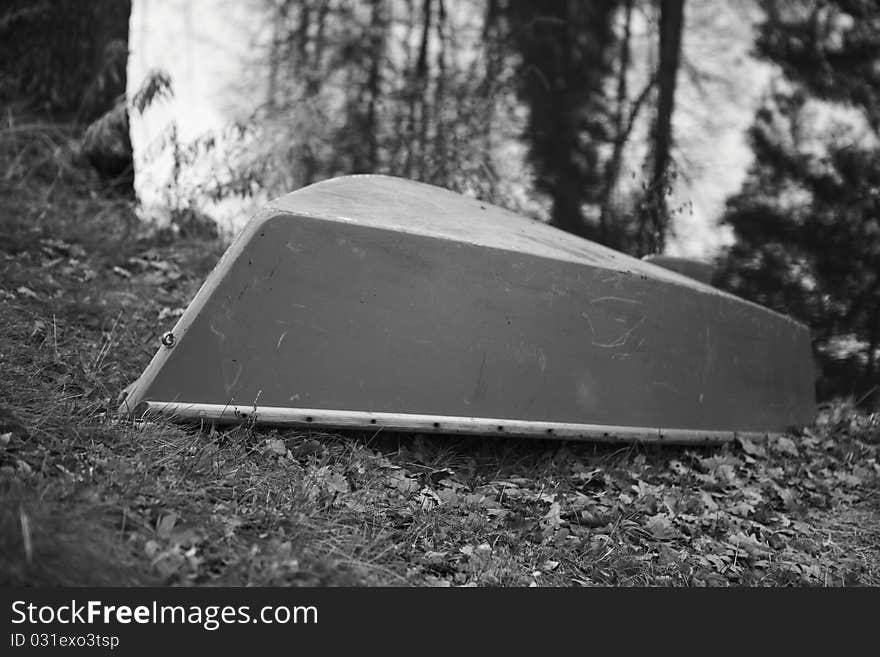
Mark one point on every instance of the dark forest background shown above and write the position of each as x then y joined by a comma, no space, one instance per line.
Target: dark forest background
342,95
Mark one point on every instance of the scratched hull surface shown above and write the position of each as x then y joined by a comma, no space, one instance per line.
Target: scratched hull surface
368,300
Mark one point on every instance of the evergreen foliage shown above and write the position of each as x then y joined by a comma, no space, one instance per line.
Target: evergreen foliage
807,219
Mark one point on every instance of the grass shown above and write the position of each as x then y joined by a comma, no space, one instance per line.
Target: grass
86,499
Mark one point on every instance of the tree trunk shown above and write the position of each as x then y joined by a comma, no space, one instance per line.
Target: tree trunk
671,25
873,346
612,169
418,87
276,51
439,171
565,60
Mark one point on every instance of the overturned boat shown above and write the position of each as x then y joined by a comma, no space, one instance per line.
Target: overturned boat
370,302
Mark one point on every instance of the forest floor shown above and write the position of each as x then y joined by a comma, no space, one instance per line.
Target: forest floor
87,498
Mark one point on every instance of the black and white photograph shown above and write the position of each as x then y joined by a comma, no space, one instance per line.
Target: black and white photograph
434,293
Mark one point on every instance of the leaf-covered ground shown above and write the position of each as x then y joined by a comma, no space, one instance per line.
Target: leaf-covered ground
85,498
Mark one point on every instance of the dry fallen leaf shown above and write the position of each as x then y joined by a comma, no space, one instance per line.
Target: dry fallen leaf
661,527
667,555
786,446
749,544
276,446
166,524
552,519
751,448
434,558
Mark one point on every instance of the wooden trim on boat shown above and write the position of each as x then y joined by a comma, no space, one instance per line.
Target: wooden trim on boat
441,424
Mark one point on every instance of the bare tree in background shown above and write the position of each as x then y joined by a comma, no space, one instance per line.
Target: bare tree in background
615,223
384,87
495,98
652,236
565,51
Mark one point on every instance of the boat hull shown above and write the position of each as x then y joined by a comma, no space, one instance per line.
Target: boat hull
312,318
